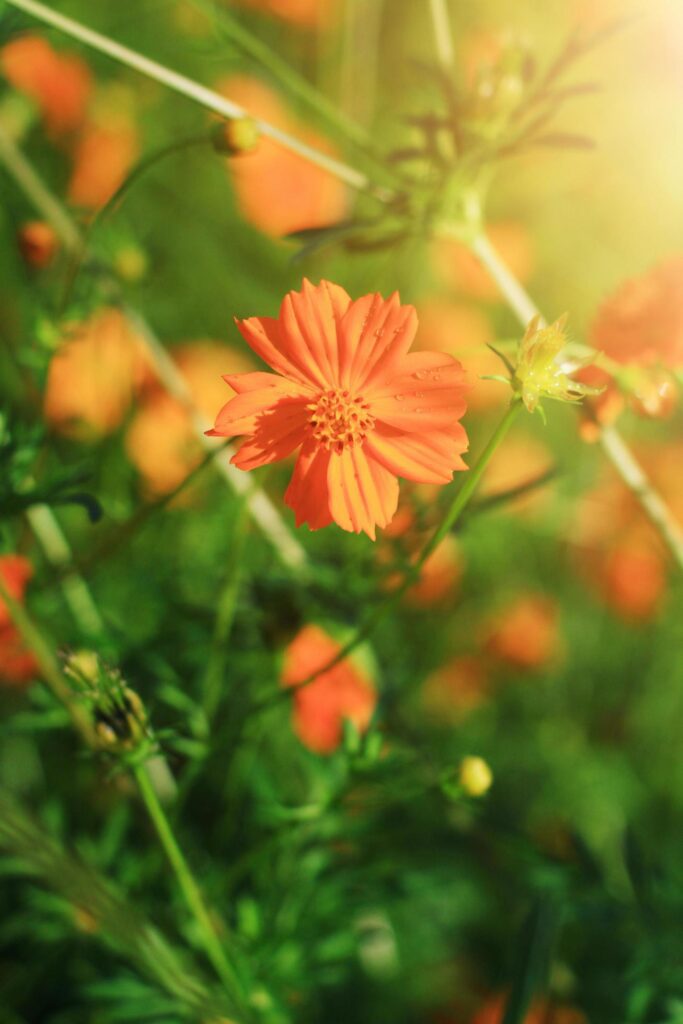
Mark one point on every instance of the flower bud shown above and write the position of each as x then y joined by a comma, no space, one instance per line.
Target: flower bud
540,372
235,136
475,776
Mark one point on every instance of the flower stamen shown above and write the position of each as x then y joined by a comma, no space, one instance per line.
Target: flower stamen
339,419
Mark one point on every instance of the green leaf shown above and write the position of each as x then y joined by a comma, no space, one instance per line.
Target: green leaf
535,944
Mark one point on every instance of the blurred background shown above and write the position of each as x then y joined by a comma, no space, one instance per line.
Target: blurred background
478,818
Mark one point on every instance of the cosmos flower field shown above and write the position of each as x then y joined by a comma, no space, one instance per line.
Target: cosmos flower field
341,512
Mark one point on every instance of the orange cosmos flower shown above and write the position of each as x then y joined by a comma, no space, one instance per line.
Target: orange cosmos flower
321,707
525,633
17,665
307,13
452,692
642,322
161,441
59,83
103,157
346,393
278,191
94,375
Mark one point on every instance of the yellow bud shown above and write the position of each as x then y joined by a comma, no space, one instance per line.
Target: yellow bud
236,136
475,776
540,372
131,263
84,665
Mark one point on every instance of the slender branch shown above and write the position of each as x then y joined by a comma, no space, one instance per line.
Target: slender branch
50,535
443,36
188,885
612,443
200,94
633,476
263,511
453,513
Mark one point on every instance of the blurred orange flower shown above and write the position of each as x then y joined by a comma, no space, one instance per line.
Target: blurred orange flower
524,634
632,578
345,692
103,156
615,547
456,689
94,375
346,393
161,443
278,191
17,665
301,12
642,322
161,440
540,1012
59,83
460,269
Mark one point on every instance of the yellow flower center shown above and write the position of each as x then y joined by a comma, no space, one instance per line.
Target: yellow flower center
339,419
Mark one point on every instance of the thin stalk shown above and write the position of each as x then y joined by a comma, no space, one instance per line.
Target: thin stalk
457,506
200,94
264,513
443,36
614,446
57,550
632,474
188,885
51,673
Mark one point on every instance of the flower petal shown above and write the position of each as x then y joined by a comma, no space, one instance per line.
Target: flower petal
372,330
242,413
279,431
363,494
267,337
309,320
428,393
428,458
307,491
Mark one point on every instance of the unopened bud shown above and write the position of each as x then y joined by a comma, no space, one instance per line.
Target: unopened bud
236,136
475,776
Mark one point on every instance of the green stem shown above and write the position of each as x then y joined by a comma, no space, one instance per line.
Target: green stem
469,487
188,885
451,517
